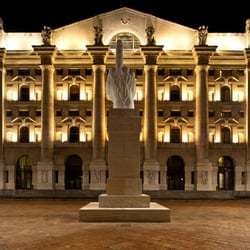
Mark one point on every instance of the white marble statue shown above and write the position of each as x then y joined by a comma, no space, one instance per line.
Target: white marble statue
121,87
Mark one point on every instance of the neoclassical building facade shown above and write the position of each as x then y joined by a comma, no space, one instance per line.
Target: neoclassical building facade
193,98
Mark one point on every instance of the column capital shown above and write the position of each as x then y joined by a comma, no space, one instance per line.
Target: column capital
97,53
47,67
203,53
46,52
2,56
151,53
101,67
150,67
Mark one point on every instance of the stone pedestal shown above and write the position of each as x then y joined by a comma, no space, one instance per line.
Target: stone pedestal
151,174
124,200
204,176
45,175
98,175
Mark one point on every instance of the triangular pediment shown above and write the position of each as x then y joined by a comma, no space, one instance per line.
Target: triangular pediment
79,34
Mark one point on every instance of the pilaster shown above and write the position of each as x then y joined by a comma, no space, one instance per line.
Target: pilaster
2,116
247,121
98,164
151,165
204,170
45,166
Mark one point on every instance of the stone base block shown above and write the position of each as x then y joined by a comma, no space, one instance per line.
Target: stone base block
98,175
45,175
93,213
205,176
124,201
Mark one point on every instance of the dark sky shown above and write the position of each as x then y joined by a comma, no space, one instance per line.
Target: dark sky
228,16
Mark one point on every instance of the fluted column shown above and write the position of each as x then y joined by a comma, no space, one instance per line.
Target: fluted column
204,170
151,167
2,115
247,124
45,166
98,164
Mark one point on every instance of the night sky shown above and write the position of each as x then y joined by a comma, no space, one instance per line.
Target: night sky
227,17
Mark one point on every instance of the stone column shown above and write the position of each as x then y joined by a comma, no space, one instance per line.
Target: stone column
247,83
204,170
2,115
98,164
45,166
151,167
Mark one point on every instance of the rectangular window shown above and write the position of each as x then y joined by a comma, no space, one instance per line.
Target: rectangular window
107,176
59,113
226,114
89,176
191,113
6,176
88,72
160,113
192,177
211,72
190,72
175,113
139,72
141,113
161,72
74,72
88,113
211,114
243,178
38,112
142,176
56,176
73,112
241,113
59,72
107,113
9,72
175,72
24,113
23,72
8,113
37,72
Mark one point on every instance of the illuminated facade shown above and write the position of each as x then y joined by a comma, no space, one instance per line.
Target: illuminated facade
193,100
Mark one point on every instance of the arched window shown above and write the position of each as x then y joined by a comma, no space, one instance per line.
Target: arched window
74,134
23,173
225,173
24,135
225,94
225,135
175,173
175,94
73,172
175,135
24,93
129,41
74,93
